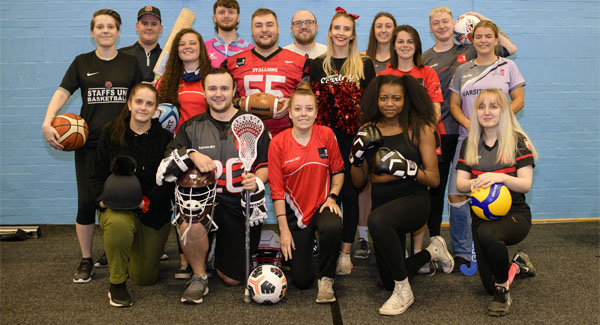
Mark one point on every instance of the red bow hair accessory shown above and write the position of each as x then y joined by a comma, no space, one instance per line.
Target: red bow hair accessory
342,10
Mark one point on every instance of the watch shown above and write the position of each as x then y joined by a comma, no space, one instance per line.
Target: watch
333,196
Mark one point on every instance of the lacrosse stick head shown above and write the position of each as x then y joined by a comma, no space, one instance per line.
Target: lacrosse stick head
247,128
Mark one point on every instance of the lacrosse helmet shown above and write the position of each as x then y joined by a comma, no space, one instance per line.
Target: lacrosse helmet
195,194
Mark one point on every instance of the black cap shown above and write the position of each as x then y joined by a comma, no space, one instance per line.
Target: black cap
149,10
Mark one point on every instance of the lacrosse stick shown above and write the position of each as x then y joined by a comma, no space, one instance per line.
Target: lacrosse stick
247,129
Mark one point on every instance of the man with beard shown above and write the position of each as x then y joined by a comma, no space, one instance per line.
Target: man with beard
305,27
227,42
146,50
267,68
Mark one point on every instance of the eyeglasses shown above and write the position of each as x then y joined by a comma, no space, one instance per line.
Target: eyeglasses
307,23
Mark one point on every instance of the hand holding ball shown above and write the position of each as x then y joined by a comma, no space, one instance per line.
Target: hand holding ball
72,130
262,105
492,202
463,28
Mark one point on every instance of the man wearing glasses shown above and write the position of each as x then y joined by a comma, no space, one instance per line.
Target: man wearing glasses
305,27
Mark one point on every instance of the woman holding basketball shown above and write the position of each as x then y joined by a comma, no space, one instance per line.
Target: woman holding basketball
338,78
105,78
380,36
134,239
497,150
181,84
398,118
307,152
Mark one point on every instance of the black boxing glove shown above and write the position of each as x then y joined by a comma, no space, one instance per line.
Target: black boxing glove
391,162
368,137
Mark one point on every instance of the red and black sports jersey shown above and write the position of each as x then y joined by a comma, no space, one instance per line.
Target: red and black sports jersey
301,174
215,139
278,74
488,164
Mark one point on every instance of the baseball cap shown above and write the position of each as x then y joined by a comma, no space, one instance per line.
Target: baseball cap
149,10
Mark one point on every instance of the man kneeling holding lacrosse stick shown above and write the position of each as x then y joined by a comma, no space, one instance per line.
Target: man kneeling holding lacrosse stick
207,142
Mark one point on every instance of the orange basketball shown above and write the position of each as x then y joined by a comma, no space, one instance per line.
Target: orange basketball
72,129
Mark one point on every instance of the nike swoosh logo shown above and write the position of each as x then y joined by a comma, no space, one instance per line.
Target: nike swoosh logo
91,74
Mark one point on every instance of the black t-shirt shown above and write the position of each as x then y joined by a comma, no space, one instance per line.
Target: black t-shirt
146,61
105,87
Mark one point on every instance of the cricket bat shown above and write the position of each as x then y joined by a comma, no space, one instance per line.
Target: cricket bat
185,20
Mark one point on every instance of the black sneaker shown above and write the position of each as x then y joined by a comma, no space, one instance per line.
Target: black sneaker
118,295
526,268
84,272
501,303
184,272
363,251
458,261
102,262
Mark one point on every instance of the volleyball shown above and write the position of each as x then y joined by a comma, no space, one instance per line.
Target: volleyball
168,115
463,28
267,284
492,202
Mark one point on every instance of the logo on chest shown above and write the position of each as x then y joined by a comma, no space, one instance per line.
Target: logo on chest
323,153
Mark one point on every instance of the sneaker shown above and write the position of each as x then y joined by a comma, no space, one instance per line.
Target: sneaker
344,264
326,293
439,252
102,262
118,295
428,269
363,251
458,261
197,288
526,268
401,299
315,248
84,272
184,272
164,256
501,303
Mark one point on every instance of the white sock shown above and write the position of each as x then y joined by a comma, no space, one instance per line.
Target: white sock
363,232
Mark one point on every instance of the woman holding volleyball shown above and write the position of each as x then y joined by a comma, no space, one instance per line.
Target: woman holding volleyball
497,150
104,77
306,173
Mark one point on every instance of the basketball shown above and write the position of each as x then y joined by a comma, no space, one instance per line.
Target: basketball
72,129
168,115
491,203
463,28
267,284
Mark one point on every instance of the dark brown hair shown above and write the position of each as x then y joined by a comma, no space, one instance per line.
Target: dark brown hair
231,4
372,47
117,127
108,12
416,39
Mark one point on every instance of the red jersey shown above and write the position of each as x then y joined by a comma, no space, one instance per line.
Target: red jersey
278,74
426,76
301,174
191,100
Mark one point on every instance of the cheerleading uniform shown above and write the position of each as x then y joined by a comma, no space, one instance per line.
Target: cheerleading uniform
191,100
291,165
491,237
278,74
218,51
104,86
349,194
399,207
215,139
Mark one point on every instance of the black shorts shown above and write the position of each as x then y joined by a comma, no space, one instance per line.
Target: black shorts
231,240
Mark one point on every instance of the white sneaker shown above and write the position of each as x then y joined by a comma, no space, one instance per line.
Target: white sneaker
401,299
427,269
344,264
326,293
439,252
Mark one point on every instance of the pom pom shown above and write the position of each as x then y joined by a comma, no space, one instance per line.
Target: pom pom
123,165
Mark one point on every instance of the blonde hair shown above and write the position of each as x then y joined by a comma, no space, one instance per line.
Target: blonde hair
509,131
353,68
440,10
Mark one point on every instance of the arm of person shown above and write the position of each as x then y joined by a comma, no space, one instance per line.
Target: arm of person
59,99
360,176
463,181
428,174
336,187
283,112
520,184
286,240
517,97
203,162
438,111
456,111
503,39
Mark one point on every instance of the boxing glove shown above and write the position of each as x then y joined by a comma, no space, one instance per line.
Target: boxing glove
368,137
391,162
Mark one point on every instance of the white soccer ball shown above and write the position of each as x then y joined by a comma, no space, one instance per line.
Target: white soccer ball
267,284
168,115
463,28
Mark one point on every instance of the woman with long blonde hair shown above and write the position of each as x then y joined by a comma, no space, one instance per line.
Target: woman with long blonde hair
498,151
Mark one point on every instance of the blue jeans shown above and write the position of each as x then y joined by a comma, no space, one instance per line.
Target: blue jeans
460,215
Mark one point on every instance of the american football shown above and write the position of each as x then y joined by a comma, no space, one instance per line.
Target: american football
261,104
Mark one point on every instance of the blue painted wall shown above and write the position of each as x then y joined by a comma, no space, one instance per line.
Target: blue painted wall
558,55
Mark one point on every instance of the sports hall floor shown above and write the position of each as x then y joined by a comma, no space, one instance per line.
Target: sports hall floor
36,288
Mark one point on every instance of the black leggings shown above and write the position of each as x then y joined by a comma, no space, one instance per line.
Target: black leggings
329,226
349,194
491,238
388,224
437,194
85,162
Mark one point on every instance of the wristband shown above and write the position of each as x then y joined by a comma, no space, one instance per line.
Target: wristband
333,196
279,215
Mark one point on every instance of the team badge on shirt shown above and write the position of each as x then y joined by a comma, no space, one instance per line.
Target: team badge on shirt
323,153
240,62
527,144
461,58
108,85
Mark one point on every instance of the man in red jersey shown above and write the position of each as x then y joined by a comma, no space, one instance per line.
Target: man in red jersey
267,68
